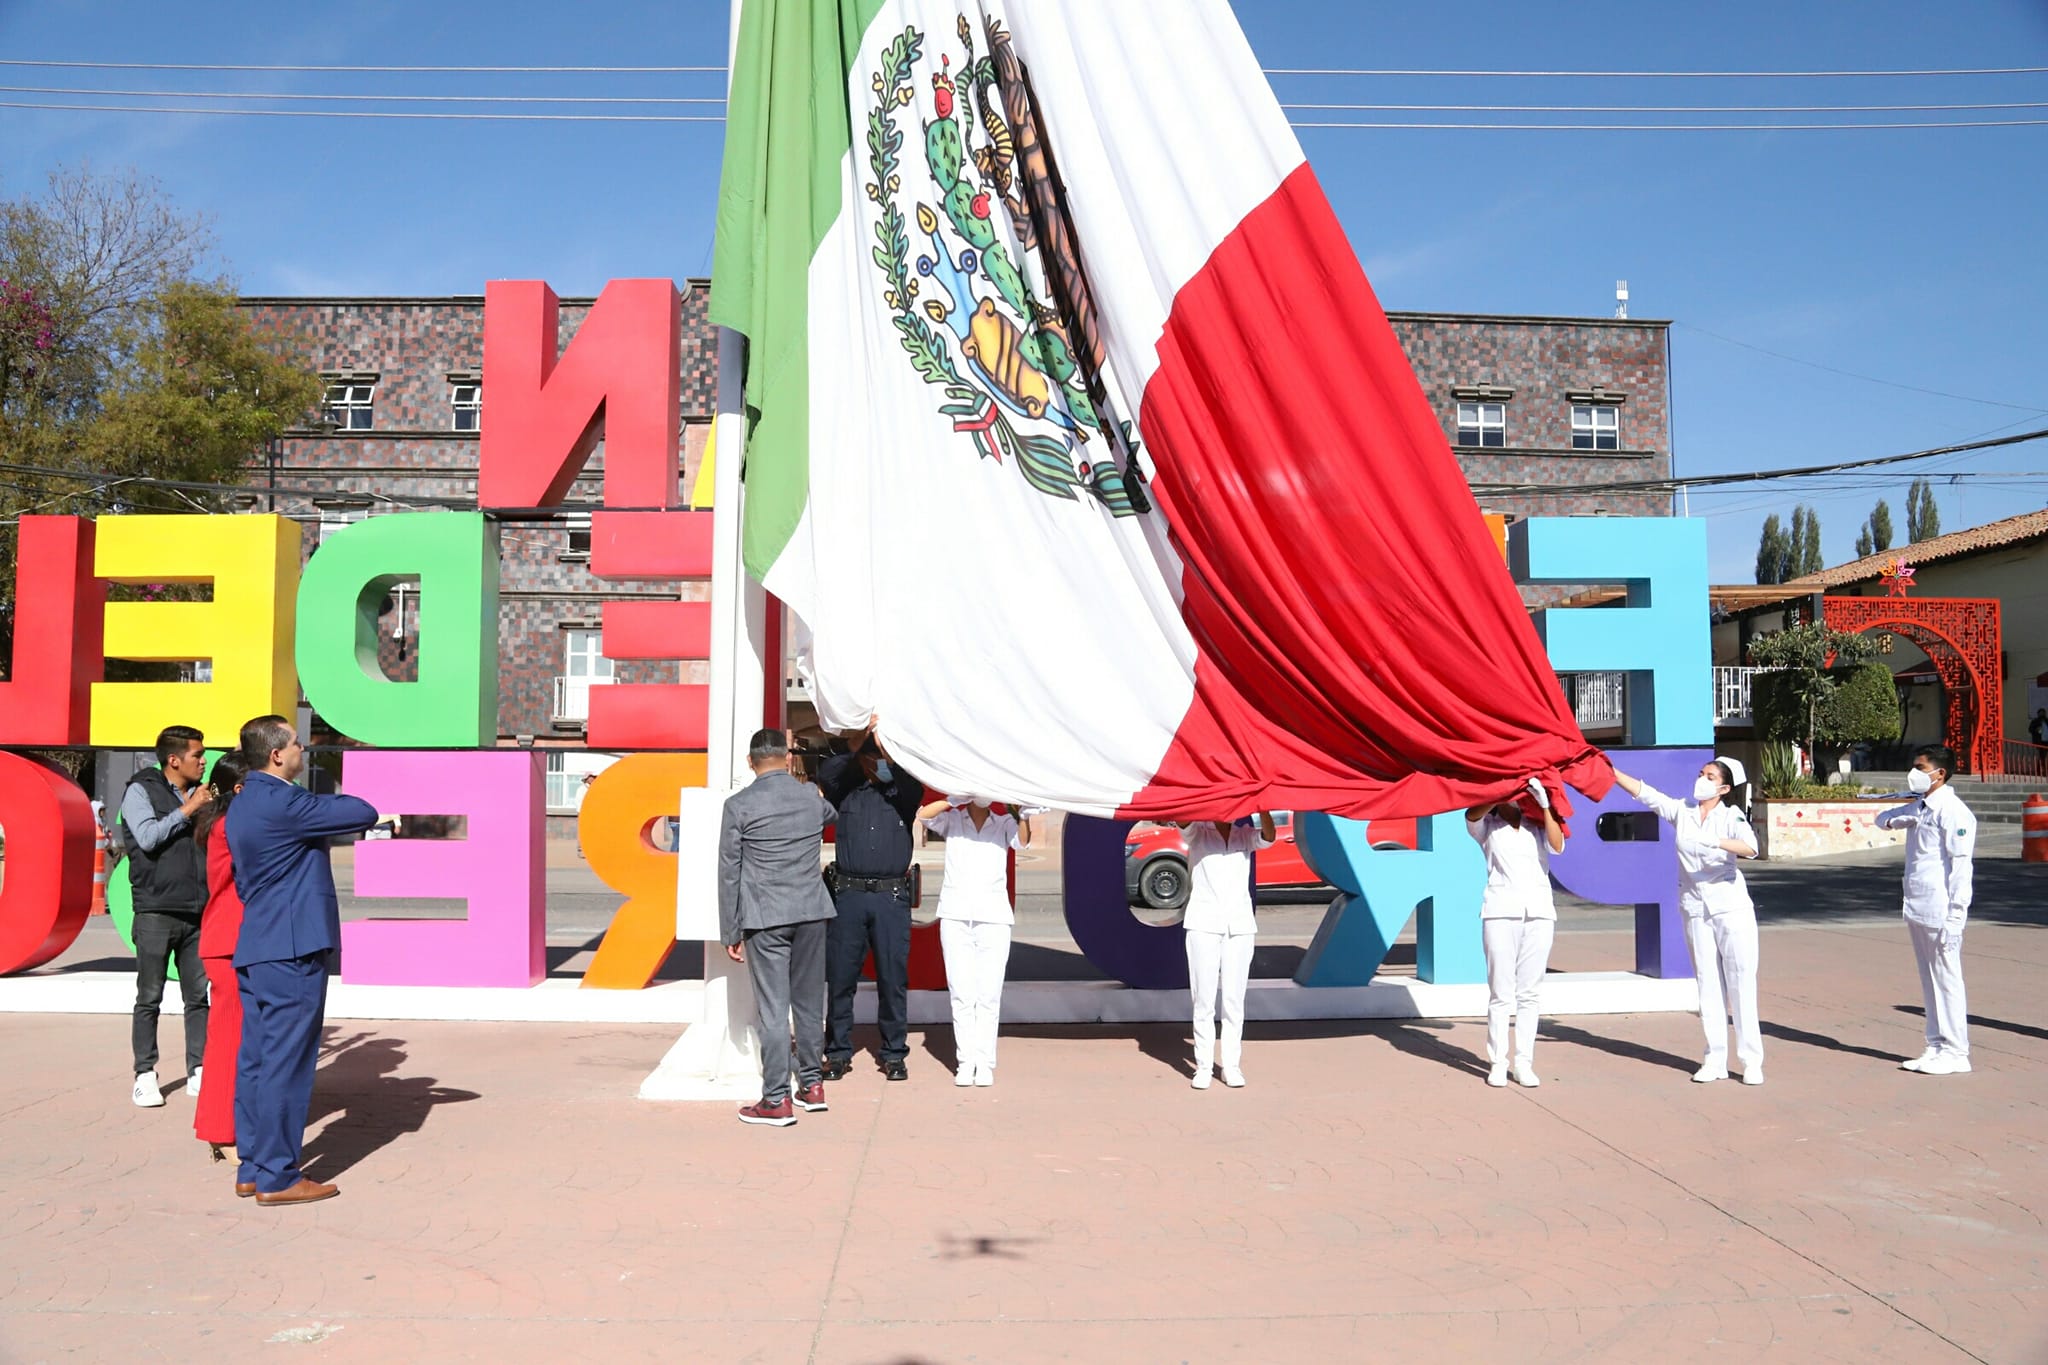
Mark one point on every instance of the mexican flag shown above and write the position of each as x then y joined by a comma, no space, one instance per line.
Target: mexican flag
1079,445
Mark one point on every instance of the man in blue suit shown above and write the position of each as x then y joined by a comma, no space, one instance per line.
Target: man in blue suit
291,923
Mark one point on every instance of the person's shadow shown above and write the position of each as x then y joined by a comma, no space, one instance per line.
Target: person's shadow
375,1107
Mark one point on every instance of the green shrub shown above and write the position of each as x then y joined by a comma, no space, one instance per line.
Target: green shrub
1864,707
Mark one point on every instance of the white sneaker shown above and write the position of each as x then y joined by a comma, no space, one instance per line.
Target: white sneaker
192,1082
1525,1074
1752,1075
1498,1076
1946,1064
148,1092
1921,1061
1712,1071
964,1076
984,1075
1233,1078
1202,1078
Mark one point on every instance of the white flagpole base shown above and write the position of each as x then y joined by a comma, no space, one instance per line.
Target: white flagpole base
720,1057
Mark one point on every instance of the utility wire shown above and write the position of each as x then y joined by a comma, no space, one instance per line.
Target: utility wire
214,111
352,97
451,99
1868,379
1270,71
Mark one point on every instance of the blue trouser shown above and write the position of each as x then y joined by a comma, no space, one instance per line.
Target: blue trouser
283,1005
864,918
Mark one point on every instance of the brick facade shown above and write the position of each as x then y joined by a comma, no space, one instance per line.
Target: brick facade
417,347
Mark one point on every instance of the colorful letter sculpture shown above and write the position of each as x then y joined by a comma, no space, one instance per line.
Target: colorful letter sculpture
58,626
620,378
1642,873
1144,956
642,545
1439,881
500,870
1659,637
619,811
246,630
47,893
453,557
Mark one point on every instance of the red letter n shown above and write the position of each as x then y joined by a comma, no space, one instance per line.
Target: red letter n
544,408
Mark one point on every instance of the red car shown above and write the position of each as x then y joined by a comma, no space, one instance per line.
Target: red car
1156,860
1156,864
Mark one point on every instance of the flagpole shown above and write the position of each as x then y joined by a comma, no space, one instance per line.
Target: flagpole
718,1057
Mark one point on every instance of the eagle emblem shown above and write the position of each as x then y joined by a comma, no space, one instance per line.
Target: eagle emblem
990,303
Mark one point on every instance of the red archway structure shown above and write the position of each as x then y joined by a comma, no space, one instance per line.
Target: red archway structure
1962,639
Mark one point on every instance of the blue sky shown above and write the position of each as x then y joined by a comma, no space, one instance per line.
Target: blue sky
1908,256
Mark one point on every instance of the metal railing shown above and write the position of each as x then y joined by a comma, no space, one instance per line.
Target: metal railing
572,698
2025,760
1599,699
1731,694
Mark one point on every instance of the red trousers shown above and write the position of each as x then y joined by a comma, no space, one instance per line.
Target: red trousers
213,1118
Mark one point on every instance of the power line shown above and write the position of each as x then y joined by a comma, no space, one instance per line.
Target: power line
1629,108
388,70
220,112
1270,71
1868,379
354,97
1665,75
404,99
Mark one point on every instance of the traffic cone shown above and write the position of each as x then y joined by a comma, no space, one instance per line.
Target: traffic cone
99,870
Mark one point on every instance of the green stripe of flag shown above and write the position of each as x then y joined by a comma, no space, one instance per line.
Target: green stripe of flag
788,128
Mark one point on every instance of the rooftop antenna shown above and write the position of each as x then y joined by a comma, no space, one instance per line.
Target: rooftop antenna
1621,298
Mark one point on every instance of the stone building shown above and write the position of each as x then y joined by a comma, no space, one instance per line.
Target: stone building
1526,401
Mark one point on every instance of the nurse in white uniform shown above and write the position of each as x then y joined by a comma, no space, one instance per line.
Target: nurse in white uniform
1518,919
1220,930
1720,918
1941,846
975,920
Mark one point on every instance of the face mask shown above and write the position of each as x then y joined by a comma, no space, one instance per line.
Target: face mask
1706,788
1919,781
883,772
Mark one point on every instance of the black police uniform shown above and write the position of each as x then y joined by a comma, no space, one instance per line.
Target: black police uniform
871,893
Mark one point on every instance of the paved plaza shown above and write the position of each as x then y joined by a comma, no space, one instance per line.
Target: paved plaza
1367,1197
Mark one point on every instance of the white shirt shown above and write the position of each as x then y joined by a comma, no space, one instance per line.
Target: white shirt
1220,873
1709,882
1517,869
977,885
1941,841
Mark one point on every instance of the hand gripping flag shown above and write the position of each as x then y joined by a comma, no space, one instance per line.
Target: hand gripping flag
1080,446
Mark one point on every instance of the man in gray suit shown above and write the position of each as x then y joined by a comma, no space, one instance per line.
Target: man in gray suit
772,911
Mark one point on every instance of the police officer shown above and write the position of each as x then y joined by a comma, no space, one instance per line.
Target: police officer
877,804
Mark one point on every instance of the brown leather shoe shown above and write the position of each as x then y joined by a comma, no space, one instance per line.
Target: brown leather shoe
245,1189
305,1192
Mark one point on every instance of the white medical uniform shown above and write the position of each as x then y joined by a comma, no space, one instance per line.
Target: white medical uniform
1221,929
1941,841
1720,921
975,919
1517,921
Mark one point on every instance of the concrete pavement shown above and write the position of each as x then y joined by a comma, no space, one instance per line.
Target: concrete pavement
1366,1197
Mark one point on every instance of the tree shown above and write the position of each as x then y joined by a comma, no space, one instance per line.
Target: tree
1880,527
1773,552
1809,556
119,365
1923,518
1804,658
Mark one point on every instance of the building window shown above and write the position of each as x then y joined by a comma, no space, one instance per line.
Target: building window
577,525
335,516
1482,424
1596,427
583,667
466,397
350,402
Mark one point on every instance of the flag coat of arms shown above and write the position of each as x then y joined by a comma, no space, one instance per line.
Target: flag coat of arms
1079,445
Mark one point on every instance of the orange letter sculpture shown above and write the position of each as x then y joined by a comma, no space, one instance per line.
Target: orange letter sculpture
619,811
